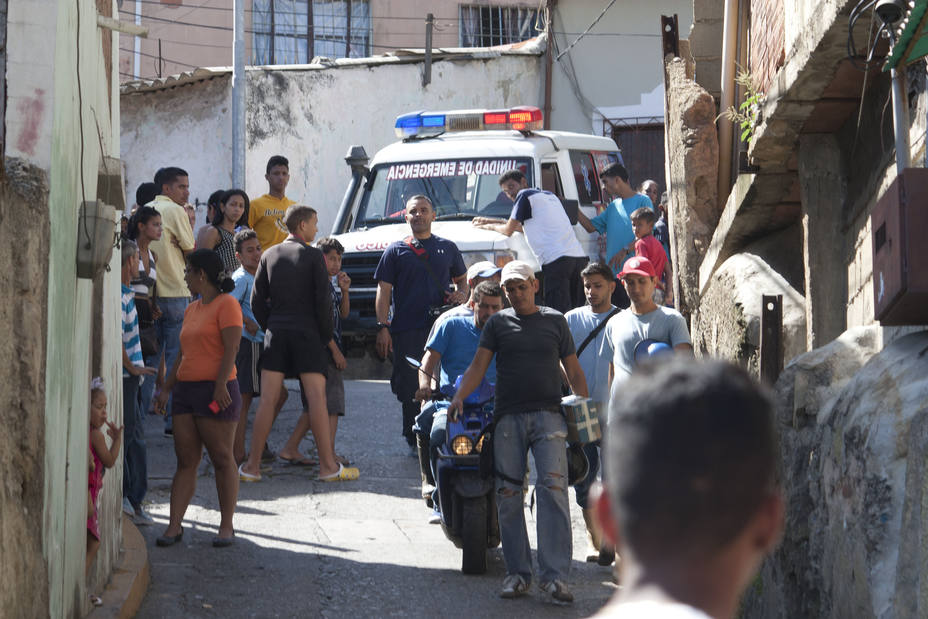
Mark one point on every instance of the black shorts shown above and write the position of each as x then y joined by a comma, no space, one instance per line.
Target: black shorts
248,367
194,398
293,353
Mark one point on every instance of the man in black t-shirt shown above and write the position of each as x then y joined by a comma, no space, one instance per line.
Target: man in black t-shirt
531,344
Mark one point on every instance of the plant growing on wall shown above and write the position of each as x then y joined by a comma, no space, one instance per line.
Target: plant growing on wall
747,115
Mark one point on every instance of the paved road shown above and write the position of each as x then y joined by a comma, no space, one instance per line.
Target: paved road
356,549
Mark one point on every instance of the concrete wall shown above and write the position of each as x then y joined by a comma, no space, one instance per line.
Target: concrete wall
311,116
619,64
61,114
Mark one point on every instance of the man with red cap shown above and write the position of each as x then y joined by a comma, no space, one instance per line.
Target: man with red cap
643,320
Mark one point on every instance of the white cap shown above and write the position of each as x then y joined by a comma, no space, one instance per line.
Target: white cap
517,269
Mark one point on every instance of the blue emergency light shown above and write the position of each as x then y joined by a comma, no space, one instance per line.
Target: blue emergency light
424,124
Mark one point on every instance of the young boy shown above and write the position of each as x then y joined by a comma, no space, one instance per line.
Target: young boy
248,359
332,250
647,246
690,493
135,463
266,214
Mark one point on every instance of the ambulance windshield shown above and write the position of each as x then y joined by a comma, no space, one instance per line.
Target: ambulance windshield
458,188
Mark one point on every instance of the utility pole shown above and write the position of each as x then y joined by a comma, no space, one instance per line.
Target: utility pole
238,97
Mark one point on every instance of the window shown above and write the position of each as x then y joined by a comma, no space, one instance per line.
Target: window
485,26
286,32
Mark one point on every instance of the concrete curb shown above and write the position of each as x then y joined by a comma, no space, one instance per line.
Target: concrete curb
129,581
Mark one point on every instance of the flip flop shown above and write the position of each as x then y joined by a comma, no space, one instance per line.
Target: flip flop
302,461
342,474
247,477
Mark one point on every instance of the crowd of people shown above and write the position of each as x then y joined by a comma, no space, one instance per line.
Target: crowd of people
213,323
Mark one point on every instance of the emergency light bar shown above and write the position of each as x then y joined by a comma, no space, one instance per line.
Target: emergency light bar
425,124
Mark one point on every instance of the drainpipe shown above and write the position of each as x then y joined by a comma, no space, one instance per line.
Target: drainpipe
900,121
729,49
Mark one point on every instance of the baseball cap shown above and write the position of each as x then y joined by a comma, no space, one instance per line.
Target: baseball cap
484,268
638,266
516,269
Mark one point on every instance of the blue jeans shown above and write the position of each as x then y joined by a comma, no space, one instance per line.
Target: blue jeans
545,433
135,460
168,327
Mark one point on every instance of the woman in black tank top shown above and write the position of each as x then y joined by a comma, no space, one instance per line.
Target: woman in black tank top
220,236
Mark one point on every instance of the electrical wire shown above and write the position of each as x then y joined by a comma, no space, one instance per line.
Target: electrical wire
282,12
585,32
852,52
163,58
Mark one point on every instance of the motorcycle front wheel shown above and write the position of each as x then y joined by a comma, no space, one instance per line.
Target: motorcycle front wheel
474,535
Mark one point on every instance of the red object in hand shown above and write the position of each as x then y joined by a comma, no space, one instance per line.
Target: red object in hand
214,406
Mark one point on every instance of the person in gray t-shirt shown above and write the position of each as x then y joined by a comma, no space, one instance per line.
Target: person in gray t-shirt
643,320
531,344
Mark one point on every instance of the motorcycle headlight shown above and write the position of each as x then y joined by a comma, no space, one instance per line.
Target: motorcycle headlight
461,445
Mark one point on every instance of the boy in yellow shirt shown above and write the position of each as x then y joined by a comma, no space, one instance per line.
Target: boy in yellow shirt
265,215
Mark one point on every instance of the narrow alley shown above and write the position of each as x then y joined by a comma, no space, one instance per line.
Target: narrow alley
355,549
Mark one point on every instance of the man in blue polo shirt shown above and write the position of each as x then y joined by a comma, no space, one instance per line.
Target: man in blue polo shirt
615,222
415,273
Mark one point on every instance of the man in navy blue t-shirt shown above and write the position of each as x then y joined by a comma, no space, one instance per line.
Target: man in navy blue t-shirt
415,273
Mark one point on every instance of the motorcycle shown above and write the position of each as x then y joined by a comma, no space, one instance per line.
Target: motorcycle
466,500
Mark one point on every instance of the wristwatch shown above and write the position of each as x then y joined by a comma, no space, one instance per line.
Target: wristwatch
382,325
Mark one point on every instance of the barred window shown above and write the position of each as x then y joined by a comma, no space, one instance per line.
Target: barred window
286,32
485,26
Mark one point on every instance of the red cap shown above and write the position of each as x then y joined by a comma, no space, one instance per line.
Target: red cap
638,266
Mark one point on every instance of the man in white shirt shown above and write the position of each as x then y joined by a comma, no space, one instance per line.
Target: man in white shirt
541,217
690,493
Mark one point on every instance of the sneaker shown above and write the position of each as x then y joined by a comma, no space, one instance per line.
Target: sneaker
435,518
169,432
513,586
127,507
558,591
427,489
143,518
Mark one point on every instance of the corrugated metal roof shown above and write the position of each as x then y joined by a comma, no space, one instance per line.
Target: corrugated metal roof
531,47
911,37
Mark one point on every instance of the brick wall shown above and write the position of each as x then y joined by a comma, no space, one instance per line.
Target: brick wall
767,41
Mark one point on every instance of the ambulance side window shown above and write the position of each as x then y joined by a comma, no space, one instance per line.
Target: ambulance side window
551,179
585,176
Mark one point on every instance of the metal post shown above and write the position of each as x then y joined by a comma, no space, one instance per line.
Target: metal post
900,120
549,61
427,72
310,32
348,29
238,97
273,34
771,341
160,60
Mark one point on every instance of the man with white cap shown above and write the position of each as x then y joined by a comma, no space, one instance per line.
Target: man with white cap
643,320
531,344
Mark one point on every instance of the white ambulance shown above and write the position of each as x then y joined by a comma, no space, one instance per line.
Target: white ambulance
456,158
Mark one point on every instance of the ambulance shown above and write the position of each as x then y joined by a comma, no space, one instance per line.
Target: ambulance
456,158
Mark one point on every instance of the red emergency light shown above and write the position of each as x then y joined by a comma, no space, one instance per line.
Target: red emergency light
424,124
